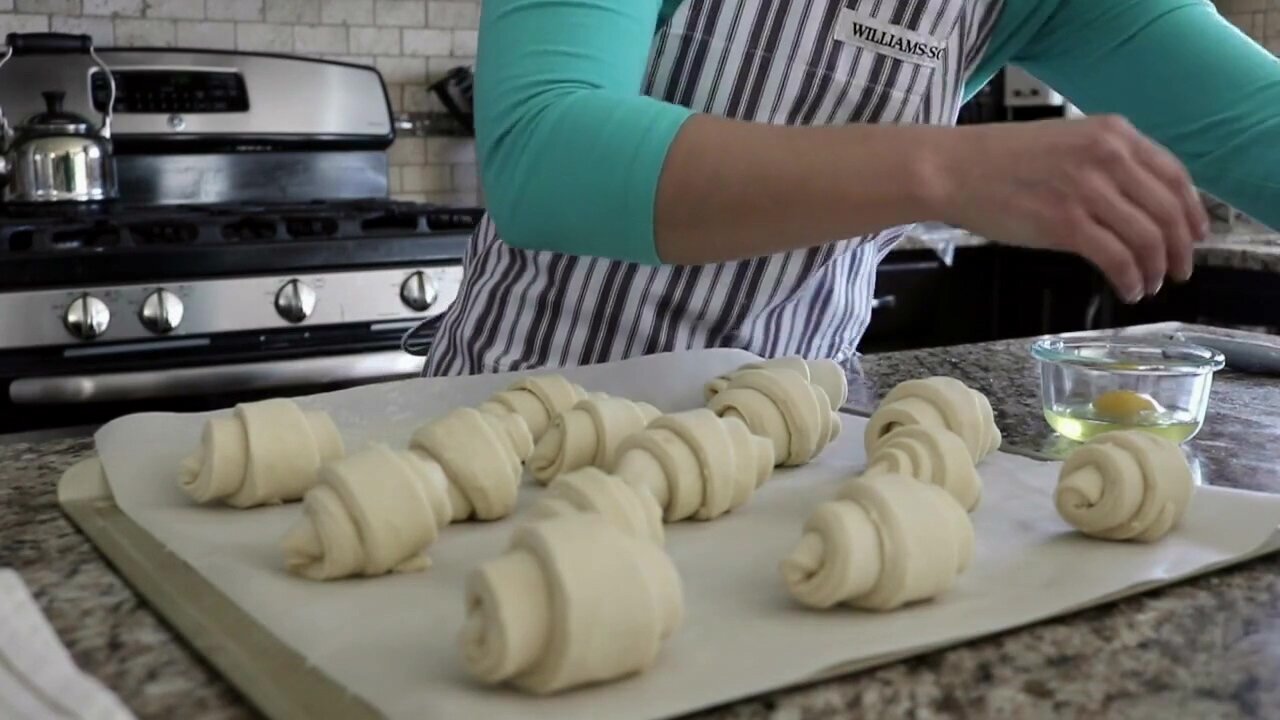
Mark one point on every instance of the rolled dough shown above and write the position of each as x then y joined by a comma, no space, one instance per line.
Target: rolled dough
930,454
888,541
826,374
588,434
1125,485
538,399
372,513
264,453
941,402
782,405
573,601
590,489
480,454
696,464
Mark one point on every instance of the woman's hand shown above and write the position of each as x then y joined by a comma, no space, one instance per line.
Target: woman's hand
1094,186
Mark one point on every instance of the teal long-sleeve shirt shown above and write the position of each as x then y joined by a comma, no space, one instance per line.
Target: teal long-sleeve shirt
561,115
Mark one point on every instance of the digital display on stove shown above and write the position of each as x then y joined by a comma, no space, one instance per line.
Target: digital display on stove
172,91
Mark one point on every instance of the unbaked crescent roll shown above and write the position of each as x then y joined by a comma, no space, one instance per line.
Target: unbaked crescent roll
373,512
888,541
573,601
480,453
539,399
630,509
266,452
929,454
695,464
588,434
782,406
942,402
826,374
1125,485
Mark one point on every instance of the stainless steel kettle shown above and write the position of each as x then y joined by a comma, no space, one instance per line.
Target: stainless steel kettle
55,155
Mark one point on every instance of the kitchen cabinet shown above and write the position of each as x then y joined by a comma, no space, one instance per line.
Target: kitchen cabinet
921,302
994,293
1219,296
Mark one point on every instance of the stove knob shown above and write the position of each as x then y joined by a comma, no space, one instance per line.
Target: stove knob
295,301
418,292
161,312
87,317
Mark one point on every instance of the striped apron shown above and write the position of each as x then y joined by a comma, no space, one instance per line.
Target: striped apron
784,62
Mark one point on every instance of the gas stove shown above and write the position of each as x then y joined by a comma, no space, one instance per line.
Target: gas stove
121,273
42,246
252,250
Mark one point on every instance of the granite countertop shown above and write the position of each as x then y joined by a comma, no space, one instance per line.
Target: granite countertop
1206,648
1240,249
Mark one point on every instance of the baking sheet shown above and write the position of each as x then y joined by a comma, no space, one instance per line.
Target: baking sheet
392,641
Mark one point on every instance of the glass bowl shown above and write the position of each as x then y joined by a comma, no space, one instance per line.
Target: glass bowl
1089,386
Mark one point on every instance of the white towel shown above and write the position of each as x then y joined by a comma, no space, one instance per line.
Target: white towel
38,678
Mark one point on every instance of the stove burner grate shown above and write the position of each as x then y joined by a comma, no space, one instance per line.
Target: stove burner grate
117,227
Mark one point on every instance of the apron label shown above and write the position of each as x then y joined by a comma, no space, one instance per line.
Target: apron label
857,28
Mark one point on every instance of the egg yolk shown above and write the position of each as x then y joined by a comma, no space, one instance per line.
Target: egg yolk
1124,405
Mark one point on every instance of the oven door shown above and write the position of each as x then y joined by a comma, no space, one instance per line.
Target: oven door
61,389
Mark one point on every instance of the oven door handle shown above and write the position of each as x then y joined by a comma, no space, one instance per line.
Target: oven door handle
213,379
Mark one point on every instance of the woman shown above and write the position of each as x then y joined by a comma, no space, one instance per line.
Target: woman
668,174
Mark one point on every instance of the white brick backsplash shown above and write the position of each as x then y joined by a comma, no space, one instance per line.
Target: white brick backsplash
375,41
450,151
438,66
464,42
319,39
180,9
450,198
216,35
425,178
121,8
465,177
23,23
402,70
346,12
448,14
160,33
418,99
1237,6
1253,24
408,151
411,42
405,13
264,37
353,59
234,9
99,28
1271,30
293,11
427,42
50,7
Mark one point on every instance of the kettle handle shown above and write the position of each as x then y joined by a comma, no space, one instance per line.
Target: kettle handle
49,44
59,44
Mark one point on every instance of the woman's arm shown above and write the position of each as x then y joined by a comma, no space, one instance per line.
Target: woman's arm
575,159
1184,76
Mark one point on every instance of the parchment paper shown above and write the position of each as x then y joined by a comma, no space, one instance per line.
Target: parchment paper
392,640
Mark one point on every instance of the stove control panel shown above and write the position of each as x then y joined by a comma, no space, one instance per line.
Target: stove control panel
204,307
172,91
87,317
161,312
295,301
418,292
